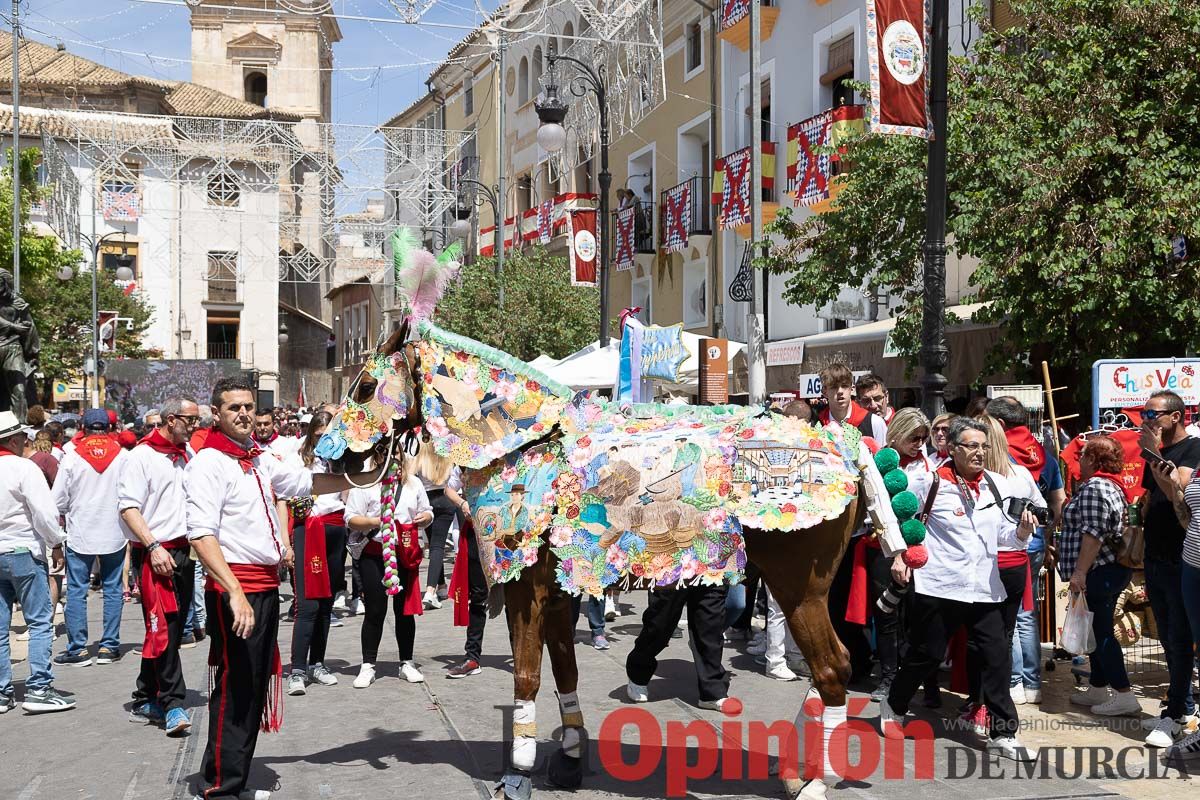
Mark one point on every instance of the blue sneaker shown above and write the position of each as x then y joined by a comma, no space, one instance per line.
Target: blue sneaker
147,713
178,722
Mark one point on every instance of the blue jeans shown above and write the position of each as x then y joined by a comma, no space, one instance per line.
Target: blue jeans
735,603
595,613
23,578
79,569
1189,586
1104,586
196,615
1163,579
1027,643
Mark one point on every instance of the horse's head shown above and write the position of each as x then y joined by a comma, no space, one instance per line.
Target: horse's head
383,404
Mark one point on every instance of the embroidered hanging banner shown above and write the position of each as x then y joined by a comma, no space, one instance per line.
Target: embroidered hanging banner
731,184
897,31
677,213
733,12
623,255
121,202
545,222
581,231
809,170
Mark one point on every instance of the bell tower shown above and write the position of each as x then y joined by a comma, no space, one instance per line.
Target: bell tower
278,56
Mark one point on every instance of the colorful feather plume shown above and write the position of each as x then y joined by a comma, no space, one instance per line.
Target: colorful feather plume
421,277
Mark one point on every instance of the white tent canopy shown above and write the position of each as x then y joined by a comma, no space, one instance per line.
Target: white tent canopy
593,368
543,362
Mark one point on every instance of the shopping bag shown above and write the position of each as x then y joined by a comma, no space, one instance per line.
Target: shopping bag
1077,636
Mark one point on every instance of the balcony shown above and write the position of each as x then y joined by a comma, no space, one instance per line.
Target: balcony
697,213
735,22
222,350
643,229
813,179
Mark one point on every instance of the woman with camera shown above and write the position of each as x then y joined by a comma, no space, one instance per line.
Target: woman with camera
1087,558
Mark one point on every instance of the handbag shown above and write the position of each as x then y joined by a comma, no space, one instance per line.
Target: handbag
1131,544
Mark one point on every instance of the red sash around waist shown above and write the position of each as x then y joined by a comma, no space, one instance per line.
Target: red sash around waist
316,563
158,600
1008,559
860,582
181,543
252,577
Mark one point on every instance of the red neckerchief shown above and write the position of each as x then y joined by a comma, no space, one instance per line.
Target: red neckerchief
267,443
1116,479
906,460
161,444
98,450
948,473
6,452
1026,450
217,440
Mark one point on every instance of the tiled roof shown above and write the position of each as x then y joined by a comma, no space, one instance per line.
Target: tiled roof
194,100
101,126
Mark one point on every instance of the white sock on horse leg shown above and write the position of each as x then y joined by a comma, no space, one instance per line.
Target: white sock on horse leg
832,718
524,747
776,632
572,720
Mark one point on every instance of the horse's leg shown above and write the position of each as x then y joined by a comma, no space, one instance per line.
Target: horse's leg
798,569
524,602
565,767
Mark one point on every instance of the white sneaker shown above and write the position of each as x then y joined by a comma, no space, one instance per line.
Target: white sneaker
1033,696
339,602
335,621
781,673
354,607
1094,695
431,600
1009,747
1018,695
891,724
410,673
1121,704
319,674
295,685
636,693
366,676
1164,732
610,609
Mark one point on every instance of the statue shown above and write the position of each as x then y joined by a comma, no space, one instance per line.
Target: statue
19,346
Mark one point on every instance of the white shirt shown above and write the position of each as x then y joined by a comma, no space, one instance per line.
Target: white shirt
961,542
411,503
1022,485
324,503
237,507
27,515
154,484
88,499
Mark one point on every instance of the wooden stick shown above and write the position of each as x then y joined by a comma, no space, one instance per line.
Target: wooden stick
1050,406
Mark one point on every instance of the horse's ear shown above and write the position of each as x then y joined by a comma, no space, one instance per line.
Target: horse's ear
393,343
404,330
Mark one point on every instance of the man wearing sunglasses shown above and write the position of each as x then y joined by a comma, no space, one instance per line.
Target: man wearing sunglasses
1163,433
152,502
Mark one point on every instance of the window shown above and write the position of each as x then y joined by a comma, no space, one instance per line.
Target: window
222,336
256,88
535,86
222,276
839,71
223,188
469,94
113,254
523,82
694,59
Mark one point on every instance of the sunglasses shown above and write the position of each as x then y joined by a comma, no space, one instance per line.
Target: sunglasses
190,419
1151,413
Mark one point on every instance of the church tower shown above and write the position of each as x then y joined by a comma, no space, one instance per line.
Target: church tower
271,54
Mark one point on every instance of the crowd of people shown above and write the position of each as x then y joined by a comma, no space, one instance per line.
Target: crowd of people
202,512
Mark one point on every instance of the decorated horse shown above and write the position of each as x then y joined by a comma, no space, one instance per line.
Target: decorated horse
570,493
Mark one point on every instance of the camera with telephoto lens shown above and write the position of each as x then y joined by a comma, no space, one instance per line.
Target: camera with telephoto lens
1016,505
891,598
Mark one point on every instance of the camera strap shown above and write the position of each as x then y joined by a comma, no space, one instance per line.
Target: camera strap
937,481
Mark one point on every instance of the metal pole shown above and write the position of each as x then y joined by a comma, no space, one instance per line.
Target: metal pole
756,349
16,149
95,326
500,175
603,223
934,354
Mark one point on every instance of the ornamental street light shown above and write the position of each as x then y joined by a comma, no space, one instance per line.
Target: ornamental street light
124,273
481,195
552,137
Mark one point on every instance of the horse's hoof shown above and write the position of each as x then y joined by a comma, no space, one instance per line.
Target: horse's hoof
515,785
564,771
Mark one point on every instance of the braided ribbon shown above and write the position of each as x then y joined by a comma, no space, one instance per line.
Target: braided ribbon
387,521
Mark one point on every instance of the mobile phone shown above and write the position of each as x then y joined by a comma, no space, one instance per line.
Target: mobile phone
1152,457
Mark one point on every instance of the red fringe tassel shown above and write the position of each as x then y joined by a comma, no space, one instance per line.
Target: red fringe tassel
272,719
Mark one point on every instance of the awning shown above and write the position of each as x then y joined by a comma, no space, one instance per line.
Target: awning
593,368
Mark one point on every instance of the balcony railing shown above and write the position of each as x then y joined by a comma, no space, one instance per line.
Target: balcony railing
698,213
219,350
643,228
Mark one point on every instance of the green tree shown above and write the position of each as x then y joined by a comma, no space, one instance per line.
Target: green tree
1074,159
61,309
542,314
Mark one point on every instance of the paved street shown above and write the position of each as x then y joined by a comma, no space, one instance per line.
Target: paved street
443,739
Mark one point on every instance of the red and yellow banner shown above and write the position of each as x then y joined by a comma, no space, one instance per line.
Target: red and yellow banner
731,184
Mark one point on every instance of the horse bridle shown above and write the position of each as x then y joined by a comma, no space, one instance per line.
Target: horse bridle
414,419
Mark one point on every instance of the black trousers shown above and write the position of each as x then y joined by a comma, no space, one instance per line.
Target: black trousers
375,600
310,633
243,672
706,630
1013,579
888,627
477,596
853,636
444,512
161,679
932,620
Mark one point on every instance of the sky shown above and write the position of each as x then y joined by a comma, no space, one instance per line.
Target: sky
379,67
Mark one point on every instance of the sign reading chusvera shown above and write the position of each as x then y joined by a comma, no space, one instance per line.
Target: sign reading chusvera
663,352
1117,383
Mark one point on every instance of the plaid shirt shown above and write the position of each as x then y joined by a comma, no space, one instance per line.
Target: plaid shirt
1097,509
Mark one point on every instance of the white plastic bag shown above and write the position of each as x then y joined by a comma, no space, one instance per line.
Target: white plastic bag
1077,636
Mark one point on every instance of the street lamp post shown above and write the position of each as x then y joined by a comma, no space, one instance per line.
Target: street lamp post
551,111
124,273
461,228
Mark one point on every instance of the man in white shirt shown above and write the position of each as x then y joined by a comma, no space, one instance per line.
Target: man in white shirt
28,528
872,394
960,584
85,492
235,530
152,503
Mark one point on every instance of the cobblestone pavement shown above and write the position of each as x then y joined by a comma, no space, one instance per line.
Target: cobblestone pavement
444,739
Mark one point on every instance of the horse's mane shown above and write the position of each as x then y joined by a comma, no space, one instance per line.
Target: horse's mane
492,356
